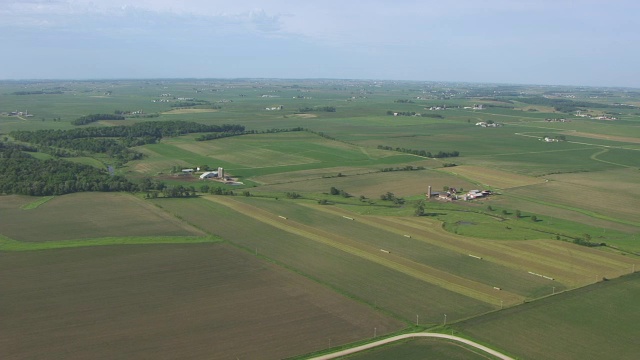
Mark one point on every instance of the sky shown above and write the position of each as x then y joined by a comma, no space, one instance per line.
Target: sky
547,42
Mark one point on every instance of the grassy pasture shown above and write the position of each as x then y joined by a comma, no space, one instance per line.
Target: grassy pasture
169,301
574,325
355,276
597,202
86,216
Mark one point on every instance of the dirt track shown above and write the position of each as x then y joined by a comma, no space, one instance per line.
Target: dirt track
409,336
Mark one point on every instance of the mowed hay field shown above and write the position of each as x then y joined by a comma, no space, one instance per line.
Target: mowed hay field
198,301
594,322
85,216
356,276
444,264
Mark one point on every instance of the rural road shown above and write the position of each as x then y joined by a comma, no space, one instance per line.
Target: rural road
408,336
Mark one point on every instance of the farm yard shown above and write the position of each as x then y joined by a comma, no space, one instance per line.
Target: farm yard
327,237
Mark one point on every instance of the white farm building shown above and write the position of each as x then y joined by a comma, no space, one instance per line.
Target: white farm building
208,175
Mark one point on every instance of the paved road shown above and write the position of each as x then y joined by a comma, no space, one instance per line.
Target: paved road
408,336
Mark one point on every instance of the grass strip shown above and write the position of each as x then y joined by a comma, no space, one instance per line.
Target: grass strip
7,244
35,204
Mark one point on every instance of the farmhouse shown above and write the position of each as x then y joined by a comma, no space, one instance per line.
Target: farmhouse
188,171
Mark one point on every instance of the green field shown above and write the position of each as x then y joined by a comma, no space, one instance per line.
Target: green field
573,325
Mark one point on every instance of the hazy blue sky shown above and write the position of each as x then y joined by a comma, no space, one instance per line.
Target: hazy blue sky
579,42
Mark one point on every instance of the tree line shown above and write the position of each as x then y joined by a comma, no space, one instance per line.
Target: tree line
439,154
317,109
219,135
114,141
87,119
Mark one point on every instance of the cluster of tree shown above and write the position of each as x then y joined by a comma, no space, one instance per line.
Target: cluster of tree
317,109
563,105
190,103
557,137
213,136
335,191
389,196
20,173
413,113
115,140
585,240
403,101
420,209
37,92
221,191
293,195
17,147
439,154
178,191
87,119
404,168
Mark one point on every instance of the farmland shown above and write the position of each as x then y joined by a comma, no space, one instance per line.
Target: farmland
324,217
80,216
167,301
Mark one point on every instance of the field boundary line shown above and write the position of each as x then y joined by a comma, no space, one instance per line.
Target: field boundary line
410,336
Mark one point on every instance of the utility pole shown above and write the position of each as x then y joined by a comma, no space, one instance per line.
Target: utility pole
445,319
